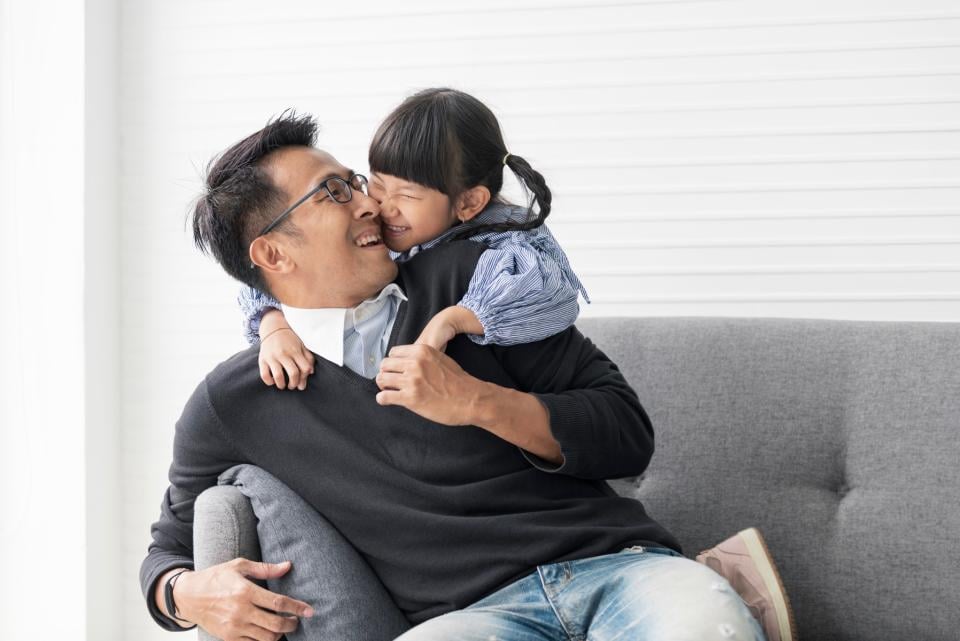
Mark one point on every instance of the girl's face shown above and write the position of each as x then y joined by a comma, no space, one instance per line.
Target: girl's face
412,214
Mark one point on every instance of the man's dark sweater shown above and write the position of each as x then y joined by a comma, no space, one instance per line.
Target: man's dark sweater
444,515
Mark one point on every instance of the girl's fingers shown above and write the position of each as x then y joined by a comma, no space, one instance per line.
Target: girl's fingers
293,372
277,370
307,354
265,374
305,369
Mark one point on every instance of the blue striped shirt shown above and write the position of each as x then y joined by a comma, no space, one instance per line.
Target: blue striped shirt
523,289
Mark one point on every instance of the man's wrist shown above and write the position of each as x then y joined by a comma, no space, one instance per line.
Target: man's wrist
487,404
517,417
160,599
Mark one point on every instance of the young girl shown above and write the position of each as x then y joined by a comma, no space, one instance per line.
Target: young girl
437,166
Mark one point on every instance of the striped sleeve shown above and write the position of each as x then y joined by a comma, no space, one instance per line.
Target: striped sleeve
253,305
523,289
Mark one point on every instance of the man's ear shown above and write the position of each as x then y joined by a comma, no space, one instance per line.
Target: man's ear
472,202
269,256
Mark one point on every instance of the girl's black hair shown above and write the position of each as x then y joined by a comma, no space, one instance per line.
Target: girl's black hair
448,140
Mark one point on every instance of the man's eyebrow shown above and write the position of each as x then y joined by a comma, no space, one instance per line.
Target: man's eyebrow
332,174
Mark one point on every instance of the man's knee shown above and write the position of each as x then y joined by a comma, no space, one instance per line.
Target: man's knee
721,616
676,599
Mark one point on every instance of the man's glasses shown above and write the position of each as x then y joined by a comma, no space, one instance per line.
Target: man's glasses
337,188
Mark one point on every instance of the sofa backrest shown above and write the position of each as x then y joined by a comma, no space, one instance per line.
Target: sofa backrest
839,440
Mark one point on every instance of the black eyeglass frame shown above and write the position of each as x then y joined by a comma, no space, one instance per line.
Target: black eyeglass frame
323,185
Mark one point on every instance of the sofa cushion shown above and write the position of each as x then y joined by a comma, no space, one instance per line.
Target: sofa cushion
839,440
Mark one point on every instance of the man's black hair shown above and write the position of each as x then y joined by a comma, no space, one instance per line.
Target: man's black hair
240,199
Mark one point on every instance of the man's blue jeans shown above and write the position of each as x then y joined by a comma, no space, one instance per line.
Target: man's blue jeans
631,595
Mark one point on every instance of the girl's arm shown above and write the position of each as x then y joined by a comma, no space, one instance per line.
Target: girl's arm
282,352
284,360
523,290
254,304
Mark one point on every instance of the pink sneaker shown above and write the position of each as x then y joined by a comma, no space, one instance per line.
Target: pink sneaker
745,562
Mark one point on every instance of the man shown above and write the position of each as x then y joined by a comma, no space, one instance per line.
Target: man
470,482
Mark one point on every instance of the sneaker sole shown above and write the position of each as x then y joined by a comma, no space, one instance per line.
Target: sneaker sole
760,553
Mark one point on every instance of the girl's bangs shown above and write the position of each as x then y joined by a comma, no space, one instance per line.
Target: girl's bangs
413,145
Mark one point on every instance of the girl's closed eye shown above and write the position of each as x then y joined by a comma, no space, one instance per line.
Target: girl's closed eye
412,213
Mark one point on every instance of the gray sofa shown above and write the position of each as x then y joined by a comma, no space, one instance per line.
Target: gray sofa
840,440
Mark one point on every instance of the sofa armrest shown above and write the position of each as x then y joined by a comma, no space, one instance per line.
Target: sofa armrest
224,528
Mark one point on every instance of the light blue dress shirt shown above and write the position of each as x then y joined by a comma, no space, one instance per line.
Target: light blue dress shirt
356,337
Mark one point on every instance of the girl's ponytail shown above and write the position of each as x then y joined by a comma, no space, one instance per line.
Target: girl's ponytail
533,182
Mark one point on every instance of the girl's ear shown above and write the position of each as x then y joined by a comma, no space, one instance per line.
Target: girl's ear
269,256
472,202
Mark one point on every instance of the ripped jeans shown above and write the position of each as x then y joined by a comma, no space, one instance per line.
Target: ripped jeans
637,594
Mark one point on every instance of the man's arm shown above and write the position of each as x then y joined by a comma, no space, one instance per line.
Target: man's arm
200,455
160,602
220,598
430,383
574,413
595,415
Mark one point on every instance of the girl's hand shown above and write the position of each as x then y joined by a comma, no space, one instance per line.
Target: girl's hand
438,332
446,324
282,351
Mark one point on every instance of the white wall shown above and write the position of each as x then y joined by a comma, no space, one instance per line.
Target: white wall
105,574
59,521
708,157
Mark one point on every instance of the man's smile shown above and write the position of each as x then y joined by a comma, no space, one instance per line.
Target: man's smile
369,237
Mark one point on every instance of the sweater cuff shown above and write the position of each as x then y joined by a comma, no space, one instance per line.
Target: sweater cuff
162,567
567,418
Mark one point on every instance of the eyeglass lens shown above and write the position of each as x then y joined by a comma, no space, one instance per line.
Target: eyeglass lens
340,190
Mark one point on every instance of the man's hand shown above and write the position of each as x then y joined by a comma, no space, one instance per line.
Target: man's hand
222,601
429,383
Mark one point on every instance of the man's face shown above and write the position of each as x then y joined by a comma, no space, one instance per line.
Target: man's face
335,264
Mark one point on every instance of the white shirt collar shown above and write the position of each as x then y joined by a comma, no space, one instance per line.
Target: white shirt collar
322,329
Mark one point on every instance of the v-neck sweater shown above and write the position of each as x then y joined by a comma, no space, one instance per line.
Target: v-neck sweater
444,515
